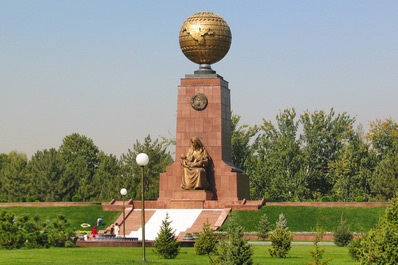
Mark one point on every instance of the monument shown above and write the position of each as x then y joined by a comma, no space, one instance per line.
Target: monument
203,175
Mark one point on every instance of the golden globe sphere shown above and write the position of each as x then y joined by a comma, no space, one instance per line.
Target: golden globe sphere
205,38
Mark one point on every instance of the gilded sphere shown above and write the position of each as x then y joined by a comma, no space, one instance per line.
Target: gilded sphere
205,38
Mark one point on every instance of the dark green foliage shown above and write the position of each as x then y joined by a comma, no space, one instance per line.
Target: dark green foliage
281,239
234,250
59,233
317,254
342,235
206,243
380,245
263,227
31,199
326,199
159,159
76,198
26,232
166,244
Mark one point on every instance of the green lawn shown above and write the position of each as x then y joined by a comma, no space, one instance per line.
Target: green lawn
303,219
76,215
99,256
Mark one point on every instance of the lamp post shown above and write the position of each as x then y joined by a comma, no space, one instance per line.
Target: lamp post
142,160
123,192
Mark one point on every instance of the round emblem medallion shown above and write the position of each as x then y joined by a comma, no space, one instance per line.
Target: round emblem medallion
199,101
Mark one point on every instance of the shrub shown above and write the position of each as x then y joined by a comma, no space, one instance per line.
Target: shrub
206,242
234,250
281,239
31,199
342,236
359,199
263,227
355,248
166,244
317,254
380,245
59,233
76,198
326,199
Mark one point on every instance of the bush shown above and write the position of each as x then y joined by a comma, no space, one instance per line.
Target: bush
281,239
206,243
317,254
342,236
31,199
234,250
359,199
166,244
76,198
263,228
380,245
59,233
326,199
355,248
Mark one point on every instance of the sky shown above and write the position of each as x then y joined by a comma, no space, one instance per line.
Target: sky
110,70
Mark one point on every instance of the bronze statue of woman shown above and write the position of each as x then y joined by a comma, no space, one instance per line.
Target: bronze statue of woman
195,167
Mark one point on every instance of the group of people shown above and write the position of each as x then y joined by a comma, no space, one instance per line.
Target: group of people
115,229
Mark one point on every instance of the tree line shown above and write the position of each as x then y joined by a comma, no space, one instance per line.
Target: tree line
314,156
317,156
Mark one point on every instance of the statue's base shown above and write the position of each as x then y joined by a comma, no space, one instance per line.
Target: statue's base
193,195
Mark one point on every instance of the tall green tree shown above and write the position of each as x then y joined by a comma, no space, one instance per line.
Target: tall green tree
79,160
107,180
351,174
324,135
14,182
383,135
44,172
159,159
276,169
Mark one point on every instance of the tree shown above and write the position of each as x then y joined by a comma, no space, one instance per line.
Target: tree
166,244
385,179
383,135
317,254
159,159
277,170
79,160
380,245
207,242
324,135
14,183
107,178
352,172
234,250
242,148
342,236
281,239
263,227
44,172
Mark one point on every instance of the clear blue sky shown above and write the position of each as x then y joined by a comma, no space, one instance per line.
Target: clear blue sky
110,69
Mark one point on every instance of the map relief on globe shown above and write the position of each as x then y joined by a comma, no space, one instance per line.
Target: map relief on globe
205,38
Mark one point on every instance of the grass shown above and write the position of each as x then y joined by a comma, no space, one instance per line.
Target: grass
126,255
76,215
304,219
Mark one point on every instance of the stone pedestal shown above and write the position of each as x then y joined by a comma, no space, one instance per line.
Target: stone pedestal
213,127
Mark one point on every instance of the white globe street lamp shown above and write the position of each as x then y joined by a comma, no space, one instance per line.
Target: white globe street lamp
142,160
123,192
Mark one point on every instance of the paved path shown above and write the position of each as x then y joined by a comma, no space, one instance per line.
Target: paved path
293,243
